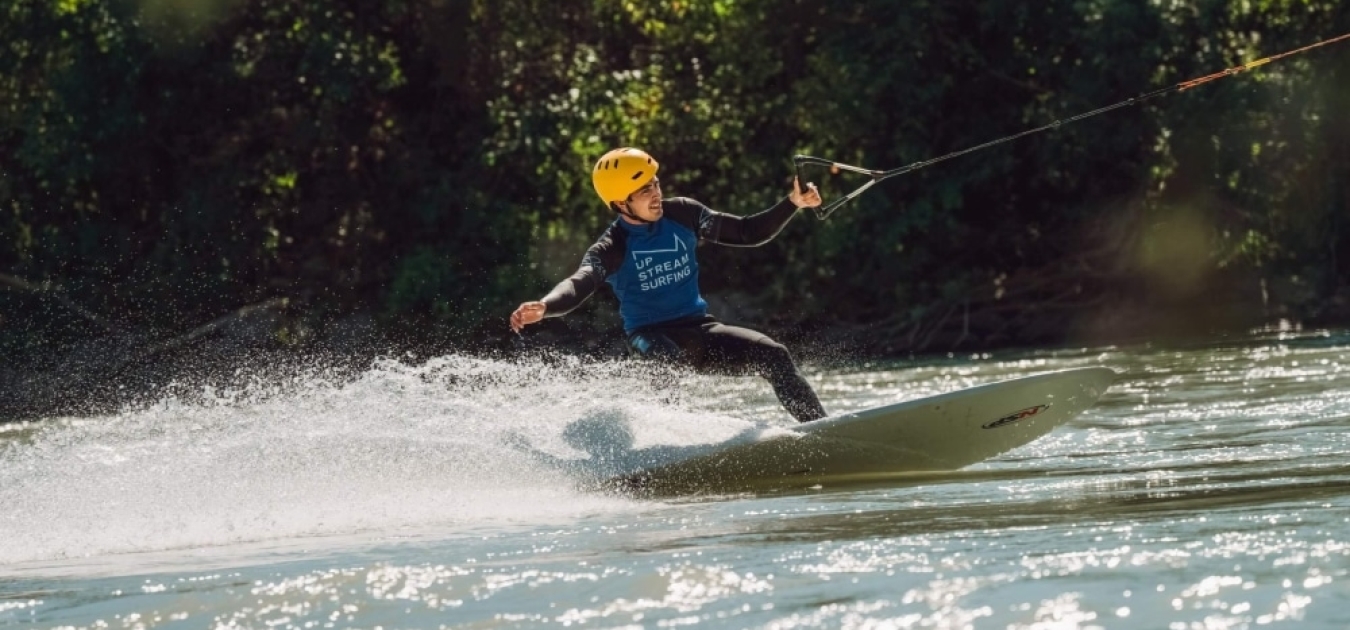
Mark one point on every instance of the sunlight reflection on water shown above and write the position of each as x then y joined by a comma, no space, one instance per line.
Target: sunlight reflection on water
1210,488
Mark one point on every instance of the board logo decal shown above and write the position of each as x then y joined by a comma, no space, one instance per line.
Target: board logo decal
1015,416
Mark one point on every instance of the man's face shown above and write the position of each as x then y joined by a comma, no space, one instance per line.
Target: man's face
645,202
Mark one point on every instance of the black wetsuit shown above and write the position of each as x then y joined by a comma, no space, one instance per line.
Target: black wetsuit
654,273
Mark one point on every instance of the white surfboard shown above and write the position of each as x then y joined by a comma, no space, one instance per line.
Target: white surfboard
939,433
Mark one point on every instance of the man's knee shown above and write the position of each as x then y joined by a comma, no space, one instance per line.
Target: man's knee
774,357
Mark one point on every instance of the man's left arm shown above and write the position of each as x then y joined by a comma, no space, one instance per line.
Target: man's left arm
756,229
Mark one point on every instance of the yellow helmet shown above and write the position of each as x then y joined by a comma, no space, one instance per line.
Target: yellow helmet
621,172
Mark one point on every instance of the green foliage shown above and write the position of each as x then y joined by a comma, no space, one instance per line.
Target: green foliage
429,160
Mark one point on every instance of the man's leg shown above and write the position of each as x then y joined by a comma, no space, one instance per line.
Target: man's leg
653,344
669,347
736,349
680,341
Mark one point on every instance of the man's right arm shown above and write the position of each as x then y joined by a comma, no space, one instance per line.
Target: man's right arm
570,293
563,299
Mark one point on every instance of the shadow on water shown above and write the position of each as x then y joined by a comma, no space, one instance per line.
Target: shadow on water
608,439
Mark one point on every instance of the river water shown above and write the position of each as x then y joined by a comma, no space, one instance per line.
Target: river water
1210,488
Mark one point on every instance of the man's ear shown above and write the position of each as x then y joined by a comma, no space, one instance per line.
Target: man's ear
620,207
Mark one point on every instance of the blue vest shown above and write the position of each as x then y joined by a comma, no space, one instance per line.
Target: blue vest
658,279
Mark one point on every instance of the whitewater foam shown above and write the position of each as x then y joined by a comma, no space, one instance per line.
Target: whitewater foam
455,441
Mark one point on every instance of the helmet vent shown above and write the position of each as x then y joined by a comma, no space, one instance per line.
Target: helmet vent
638,174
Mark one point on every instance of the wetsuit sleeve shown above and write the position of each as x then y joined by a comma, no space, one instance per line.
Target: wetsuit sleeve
570,293
602,259
751,231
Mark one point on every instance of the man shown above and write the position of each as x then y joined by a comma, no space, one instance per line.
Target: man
647,257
